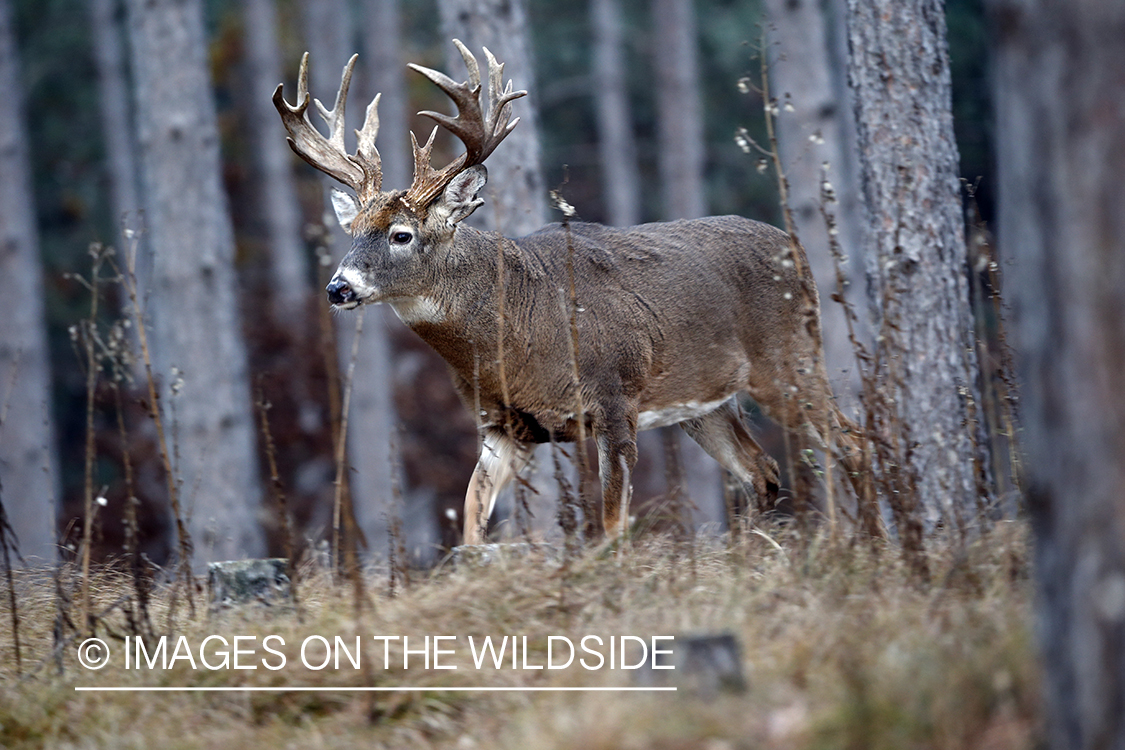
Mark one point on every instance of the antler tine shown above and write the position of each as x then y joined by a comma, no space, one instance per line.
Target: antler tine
470,63
500,100
365,153
480,135
335,117
360,171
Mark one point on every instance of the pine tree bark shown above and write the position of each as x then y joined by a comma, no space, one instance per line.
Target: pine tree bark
617,148
809,136
898,68
1060,107
193,302
281,215
680,144
27,443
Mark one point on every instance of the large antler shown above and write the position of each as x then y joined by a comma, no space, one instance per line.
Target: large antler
361,171
481,135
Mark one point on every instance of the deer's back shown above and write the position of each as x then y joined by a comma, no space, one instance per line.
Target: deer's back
674,303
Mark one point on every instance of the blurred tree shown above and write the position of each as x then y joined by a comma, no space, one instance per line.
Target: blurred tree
517,200
516,197
371,418
382,46
275,187
681,156
193,305
810,133
382,42
617,148
106,18
27,441
680,144
1060,105
915,248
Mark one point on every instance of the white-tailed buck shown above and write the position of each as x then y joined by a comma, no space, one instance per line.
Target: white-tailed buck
577,329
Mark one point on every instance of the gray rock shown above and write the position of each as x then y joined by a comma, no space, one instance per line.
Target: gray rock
703,663
248,581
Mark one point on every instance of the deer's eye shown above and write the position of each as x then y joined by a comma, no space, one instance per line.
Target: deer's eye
401,238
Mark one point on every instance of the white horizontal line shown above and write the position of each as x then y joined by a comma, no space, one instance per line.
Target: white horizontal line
369,689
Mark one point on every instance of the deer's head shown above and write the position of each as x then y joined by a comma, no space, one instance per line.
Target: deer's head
401,238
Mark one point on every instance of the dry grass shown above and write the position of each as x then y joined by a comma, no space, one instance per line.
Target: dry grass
841,647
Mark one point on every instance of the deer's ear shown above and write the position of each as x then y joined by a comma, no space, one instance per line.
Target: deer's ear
461,195
347,208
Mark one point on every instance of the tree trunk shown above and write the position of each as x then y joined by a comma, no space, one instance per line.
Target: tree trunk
27,442
809,136
1060,105
679,112
193,305
281,214
682,153
516,199
916,261
386,74
116,112
617,149
371,418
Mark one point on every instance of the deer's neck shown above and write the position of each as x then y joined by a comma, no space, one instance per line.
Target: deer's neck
460,317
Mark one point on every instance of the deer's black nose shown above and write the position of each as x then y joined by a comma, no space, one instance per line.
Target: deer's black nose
339,293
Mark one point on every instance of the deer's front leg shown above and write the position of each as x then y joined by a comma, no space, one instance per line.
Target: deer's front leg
500,459
616,436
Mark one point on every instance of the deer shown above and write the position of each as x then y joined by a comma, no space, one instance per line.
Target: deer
577,329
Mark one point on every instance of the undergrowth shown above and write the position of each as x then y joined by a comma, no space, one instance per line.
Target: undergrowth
842,647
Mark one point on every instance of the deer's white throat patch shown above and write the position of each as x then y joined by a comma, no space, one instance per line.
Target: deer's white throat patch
418,310
676,413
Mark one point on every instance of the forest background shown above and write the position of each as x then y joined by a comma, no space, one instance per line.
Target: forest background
78,189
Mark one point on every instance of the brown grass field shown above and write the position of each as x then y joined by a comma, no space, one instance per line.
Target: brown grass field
841,648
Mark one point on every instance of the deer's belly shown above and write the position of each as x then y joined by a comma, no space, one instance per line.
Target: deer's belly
676,413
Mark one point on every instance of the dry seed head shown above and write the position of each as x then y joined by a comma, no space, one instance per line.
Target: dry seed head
742,140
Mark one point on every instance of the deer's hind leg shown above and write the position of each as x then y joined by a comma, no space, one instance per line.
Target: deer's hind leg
724,436
802,402
615,432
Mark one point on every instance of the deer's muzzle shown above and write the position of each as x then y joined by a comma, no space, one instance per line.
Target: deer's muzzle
341,293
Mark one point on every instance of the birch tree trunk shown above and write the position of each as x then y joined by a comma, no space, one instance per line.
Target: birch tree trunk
809,136
679,112
617,148
916,259
27,441
1060,106
193,305
288,262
